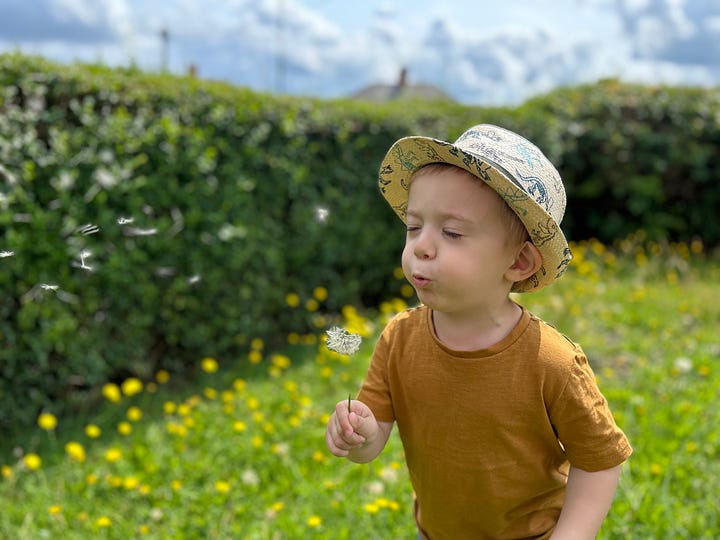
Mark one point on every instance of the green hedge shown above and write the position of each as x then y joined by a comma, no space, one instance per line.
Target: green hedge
238,198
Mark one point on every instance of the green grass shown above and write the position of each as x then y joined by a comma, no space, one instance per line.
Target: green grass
239,452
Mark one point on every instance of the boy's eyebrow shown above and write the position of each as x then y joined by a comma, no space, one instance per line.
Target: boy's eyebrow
444,215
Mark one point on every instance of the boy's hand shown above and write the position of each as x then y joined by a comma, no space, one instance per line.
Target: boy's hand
349,430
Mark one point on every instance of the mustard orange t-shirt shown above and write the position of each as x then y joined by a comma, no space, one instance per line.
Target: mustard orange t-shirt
489,435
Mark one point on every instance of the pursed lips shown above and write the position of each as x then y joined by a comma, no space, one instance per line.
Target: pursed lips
420,281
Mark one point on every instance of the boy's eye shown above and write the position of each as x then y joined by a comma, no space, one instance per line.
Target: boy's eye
452,234
412,228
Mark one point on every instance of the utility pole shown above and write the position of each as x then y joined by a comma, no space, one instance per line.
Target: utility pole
280,67
164,49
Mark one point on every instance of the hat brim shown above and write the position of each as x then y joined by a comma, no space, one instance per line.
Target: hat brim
409,154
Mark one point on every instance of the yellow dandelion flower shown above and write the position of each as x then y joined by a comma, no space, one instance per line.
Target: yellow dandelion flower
184,409
55,509
111,392
131,386
221,486
257,344
655,469
176,485
75,450
47,421
312,305
91,479
209,365
210,393
162,376
239,385
293,338
124,428
113,454
319,456
320,294
92,431
255,357
227,397
239,426
6,471
169,407
691,446
32,462
371,508
295,421
114,481
398,273
407,290
257,441
281,361
103,522
314,522
292,300
134,414
130,483
143,530
253,403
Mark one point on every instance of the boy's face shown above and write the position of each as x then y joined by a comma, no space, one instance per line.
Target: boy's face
456,250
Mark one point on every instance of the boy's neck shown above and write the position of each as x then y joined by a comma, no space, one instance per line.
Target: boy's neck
480,331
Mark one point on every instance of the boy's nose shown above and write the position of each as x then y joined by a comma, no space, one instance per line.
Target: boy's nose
424,247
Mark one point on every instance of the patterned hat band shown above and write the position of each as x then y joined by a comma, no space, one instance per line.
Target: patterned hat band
514,167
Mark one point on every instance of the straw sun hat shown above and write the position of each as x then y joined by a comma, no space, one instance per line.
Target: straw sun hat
514,167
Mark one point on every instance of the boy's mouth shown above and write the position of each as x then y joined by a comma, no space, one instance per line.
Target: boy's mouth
420,281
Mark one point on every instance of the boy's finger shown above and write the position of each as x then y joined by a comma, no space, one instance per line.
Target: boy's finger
343,418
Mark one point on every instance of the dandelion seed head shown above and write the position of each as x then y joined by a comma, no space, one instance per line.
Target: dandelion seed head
250,478
341,341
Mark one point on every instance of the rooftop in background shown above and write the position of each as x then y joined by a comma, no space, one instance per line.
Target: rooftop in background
402,89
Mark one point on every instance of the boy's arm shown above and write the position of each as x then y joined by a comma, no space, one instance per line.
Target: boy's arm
355,433
588,497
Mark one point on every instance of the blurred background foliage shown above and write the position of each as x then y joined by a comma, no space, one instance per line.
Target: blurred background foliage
210,203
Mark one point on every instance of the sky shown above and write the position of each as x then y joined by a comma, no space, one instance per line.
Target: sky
480,52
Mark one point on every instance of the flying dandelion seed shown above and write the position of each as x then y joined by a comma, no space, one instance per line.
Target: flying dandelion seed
47,287
125,221
4,254
321,214
134,231
83,255
88,229
166,271
343,342
192,280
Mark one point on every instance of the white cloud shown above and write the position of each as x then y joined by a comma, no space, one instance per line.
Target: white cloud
496,53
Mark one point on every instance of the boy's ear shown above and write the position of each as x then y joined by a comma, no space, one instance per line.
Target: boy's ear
526,263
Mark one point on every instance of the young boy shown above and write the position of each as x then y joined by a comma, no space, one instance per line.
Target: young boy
505,432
